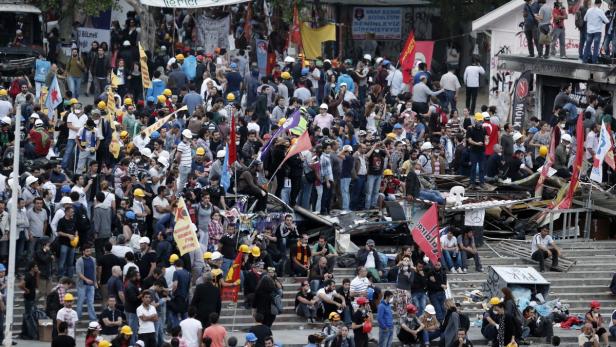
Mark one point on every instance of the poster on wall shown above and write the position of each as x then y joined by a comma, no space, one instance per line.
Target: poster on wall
89,35
384,22
213,33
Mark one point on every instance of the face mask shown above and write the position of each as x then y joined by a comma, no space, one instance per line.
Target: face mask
376,150
391,300
308,291
417,172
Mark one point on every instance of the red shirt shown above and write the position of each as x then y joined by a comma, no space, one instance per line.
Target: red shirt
558,23
391,186
41,141
492,131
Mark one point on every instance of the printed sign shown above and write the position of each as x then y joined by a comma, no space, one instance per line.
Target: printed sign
213,33
384,22
88,35
474,218
184,230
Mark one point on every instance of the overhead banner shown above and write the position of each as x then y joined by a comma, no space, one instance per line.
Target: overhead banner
521,91
190,3
313,38
212,33
159,123
262,56
88,35
184,231
425,234
385,23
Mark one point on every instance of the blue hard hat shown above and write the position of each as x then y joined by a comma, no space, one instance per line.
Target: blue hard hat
250,337
386,62
130,215
151,99
65,189
2,268
233,65
370,291
305,71
155,134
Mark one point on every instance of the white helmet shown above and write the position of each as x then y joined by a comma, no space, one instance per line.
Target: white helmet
66,200
6,120
187,133
146,152
221,154
367,57
164,161
517,135
289,60
426,146
378,60
566,137
30,180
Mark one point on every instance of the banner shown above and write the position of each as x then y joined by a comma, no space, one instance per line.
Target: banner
54,95
190,3
554,141
295,36
425,234
145,74
159,123
521,91
313,38
262,56
474,218
85,37
577,164
415,51
212,33
384,22
184,230
596,173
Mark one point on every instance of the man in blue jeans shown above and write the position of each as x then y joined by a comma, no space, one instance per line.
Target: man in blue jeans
437,283
477,138
451,251
375,164
595,21
385,319
86,284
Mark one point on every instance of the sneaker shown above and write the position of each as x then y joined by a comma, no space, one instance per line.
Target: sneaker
464,270
453,270
479,270
460,270
564,57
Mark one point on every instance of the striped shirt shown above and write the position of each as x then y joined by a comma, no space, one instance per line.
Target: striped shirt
186,158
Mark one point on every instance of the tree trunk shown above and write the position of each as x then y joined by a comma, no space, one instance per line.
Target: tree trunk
148,25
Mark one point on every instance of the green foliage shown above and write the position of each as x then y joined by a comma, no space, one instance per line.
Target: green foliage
456,12
66,8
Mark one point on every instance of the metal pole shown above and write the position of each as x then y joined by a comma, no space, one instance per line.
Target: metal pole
10,291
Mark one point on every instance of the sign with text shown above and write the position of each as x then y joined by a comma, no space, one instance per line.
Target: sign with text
190,3
184,231
89,35
213,33
384,22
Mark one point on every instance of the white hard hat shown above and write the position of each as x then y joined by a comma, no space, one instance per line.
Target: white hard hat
6,120
146,152
426,146
35,115
289,60
66,200
378,60
221,154
566,137
347,148
324,106
144,240
216,255
517,135
38,123
367,57
187,133
30,180
164,161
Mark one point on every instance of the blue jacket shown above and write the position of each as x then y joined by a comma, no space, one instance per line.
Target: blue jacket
157,88
385,316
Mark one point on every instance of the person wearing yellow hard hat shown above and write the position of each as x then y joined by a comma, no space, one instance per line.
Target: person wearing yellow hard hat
3,92
167,92
393,187
102,105
161,99
179,57
285,75
230,97
255,251
67,314
128,102
125,336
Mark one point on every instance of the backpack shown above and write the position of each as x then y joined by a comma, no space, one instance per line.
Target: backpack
579,19
82,223
52,304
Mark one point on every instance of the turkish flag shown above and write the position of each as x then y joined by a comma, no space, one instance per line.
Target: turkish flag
54,95
412,52
295,35
426,234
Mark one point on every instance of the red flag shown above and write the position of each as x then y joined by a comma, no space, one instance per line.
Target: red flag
248,22
295,35
554,141
236,268
232,145
407,56
425,234
303,143
577,165
229,293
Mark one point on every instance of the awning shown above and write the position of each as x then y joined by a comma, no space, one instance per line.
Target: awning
190,3
21,8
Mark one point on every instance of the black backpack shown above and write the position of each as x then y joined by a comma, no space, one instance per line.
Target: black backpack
52,304
82,222
579,19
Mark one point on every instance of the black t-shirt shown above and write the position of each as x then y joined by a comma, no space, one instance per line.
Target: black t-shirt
359,317
513,168
376,161
229,246
30,282
112,315
131,293
106,262
63,341
261,332
215,193
347,296
493,165
419,283
307,296
145,262
68,227
477,134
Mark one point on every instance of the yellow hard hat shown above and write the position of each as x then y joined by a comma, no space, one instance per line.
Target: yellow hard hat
75,241
124,133
244,249
230,97
306,62
495,301
139,192
102,105
173,258
478,117
69,297
128,101
3,92
126,330
179,56
281,121
256,251
388,172
207,255
104,343
543,151
391,136
285,75
334,316
200,151
216,272
161,99
73,101
167,92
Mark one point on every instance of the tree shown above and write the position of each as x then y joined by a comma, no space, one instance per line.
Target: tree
67,10
148,25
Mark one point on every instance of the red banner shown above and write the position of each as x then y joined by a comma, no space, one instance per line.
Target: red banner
413,51
425,234
577,165
229,293
554,141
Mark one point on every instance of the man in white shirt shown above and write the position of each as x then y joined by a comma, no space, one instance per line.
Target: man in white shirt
449,247
75,121
89,138
160,204
595,21
6,107
450,83
191,328
68,315
471,80
360,284
592,142
324,119
543,246
395,82
147,318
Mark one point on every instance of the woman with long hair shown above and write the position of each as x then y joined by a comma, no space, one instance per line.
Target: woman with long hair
451,324
511,308
266,289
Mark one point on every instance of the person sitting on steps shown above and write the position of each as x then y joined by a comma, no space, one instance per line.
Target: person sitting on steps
543,246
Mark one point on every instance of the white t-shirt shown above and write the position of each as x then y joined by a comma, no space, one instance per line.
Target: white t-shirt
324,120
78,122
5,108
447,243
538,240
161,202
360,284
322,292
370,263
82,195
146,327
69,316
127,266
120,250
190,331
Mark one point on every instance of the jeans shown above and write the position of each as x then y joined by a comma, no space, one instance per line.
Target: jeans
285,193
86,292
74,84
419,300
532,39
438,301
306,311
465,256
372,190
477,159
315,285
66,261
326,199
609,49
558,33
99,88
85,157
22,245
582,43
450,100
317,205
448,260
184,172
386,336
69,150
133,322
305,193
357,192
160,323
594,40
612,329
431,195
471,98
429,336
149,339
540,256
345,184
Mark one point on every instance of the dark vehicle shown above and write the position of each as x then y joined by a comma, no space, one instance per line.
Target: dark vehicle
21,37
